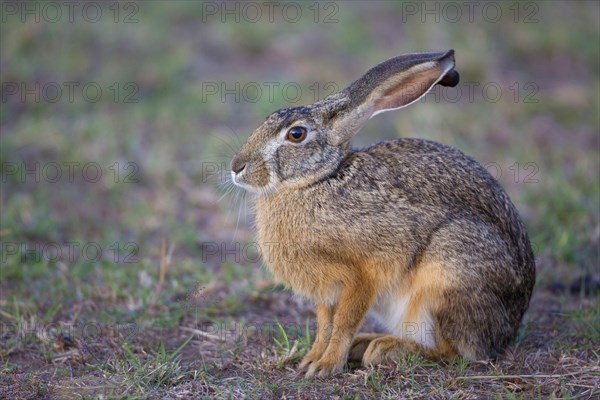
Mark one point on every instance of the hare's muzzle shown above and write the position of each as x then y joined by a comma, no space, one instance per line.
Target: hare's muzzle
237,165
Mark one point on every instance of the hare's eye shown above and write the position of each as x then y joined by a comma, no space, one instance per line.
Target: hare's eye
296,134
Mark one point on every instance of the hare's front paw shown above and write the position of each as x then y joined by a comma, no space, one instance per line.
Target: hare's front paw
313,355
324,367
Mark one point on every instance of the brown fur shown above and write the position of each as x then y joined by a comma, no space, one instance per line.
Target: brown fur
413,230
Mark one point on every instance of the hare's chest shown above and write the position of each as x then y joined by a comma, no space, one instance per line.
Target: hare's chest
292,251
283,241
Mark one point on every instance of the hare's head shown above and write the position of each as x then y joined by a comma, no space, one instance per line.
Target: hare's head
298,146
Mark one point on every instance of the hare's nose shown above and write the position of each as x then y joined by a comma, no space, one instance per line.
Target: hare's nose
237,165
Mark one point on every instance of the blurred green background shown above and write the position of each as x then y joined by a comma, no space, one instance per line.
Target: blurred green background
181,90
184,83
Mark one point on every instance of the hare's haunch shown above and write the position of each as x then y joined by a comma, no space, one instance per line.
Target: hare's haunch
413,230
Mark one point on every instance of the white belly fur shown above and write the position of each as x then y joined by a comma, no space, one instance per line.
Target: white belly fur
391,313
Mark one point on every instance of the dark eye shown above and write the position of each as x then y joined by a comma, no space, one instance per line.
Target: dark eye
296,134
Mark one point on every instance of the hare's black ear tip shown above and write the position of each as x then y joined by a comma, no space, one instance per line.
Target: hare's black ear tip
451,79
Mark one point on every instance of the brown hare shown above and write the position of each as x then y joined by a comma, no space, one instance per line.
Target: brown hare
415,231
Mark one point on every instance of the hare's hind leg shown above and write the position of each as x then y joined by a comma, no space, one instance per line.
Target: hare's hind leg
484,293
388,348
360,344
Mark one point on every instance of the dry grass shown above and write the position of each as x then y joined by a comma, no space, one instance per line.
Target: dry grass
555,357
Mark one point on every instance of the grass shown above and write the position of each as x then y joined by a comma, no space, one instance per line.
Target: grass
291,352
156,371
144,282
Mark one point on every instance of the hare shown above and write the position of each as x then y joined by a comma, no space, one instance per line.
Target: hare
412,230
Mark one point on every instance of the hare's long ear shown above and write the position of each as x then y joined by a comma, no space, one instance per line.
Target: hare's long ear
391,85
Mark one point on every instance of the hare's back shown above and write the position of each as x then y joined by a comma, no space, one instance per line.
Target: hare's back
422,183
428,179
423,171
432,181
